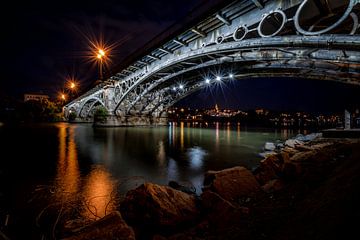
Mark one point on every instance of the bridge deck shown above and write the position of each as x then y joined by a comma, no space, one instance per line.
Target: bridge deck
270,38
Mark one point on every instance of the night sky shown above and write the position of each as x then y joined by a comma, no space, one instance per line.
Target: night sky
44,42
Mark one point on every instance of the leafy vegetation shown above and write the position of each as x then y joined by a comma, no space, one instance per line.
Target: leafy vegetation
30,111
72,116
100,114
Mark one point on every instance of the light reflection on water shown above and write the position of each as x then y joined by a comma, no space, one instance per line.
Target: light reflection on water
90,168
99,195
93,192
114,156
196,156
67,178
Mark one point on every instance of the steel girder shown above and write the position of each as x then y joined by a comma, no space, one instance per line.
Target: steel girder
275,38
340,53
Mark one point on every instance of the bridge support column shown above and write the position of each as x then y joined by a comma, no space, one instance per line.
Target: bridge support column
81,120
123,121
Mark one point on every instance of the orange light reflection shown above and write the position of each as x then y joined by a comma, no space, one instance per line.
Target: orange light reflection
68,174
99,194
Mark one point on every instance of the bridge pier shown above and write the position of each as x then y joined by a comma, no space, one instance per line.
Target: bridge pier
124,121
81,120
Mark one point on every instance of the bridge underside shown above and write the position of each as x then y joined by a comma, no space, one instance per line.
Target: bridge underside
275,45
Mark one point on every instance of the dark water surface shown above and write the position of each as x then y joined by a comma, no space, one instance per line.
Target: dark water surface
45,164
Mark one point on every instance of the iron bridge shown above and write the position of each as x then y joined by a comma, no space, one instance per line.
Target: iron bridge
315,39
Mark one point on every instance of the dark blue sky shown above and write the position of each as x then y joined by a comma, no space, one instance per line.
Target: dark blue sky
43,42
284,94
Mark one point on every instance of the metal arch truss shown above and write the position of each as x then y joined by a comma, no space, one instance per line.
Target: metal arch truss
84,108
279,56
279,39
88,107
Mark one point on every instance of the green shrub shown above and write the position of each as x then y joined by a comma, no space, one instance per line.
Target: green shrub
100,114
72,116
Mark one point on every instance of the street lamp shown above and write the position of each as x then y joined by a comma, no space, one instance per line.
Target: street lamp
72,85
100,54
62,97
72,88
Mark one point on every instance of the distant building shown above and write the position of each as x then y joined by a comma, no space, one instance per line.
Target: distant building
261,111
217,112
35,97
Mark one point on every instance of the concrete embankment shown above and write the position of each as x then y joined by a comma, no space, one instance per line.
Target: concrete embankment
307,191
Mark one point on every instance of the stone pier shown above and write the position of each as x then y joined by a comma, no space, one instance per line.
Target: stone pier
123,121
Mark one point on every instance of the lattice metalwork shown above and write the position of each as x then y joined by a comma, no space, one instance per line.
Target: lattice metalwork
311,38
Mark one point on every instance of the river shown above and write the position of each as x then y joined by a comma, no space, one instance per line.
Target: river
61,162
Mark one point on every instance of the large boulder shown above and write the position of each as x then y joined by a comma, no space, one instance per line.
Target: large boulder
274,185
232,183
190,189
152,205
291,171
290,151
312,136
293,142
270,168
220,213
269,146
309,162
284,157
111,226
307,156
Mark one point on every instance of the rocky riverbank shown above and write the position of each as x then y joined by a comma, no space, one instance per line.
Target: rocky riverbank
305,191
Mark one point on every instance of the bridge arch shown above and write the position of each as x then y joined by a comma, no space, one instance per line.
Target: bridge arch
170,100
351,4
271,38
250,57
88,106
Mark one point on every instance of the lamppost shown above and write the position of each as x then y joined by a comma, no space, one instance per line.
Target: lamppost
62,98
72,86
100,56
69,91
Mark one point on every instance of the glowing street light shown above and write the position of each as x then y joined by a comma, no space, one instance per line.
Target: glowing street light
231,75
181,86
101,52
207,81
100,55
218,78
63,97
72,85
70,89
